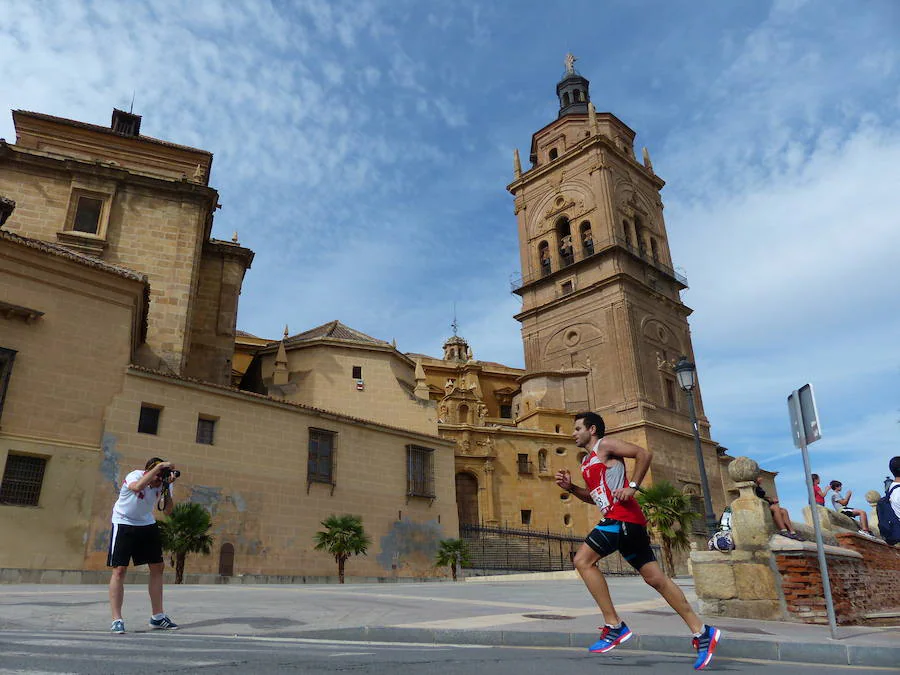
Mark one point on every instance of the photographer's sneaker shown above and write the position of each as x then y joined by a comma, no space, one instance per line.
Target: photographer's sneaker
706,646
165,623
117,627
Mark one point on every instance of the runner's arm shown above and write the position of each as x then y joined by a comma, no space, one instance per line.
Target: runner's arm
641,456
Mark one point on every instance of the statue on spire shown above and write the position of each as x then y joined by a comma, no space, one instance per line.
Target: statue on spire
570,63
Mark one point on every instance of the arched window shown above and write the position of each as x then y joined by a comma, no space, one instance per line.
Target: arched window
639,234
554,153
587,238
627,231
542,460
654,249
577,95
544,256
565,99
564,234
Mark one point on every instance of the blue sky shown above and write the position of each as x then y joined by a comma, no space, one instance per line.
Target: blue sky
362,149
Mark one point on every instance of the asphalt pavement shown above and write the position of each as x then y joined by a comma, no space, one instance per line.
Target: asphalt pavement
512,612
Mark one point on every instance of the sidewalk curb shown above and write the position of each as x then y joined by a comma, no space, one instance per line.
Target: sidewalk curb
731,647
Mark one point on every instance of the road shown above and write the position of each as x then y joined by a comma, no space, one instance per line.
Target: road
144,651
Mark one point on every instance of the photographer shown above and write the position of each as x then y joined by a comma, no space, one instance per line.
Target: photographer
135,536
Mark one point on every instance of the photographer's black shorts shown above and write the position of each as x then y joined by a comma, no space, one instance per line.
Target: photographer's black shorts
140,543
629,539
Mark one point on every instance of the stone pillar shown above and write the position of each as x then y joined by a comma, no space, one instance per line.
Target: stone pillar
751,521
872,498
743,583
490,512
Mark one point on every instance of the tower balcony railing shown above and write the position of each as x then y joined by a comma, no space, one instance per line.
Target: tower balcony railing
517,281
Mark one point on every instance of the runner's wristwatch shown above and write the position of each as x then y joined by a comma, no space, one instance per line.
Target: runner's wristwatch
634,486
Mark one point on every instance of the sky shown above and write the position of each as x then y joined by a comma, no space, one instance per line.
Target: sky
362,150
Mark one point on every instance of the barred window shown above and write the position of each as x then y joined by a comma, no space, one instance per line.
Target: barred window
419,471
22,480
320,466
524,464
7,356
206,430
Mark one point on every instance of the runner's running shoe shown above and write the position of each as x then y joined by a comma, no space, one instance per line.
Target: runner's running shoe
610,638
118,627
706,646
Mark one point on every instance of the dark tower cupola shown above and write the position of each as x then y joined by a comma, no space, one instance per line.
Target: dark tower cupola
572,90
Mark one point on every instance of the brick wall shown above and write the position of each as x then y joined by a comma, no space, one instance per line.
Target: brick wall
859,586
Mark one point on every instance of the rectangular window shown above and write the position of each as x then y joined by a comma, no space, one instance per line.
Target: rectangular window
671,401
87,215
206,430
506,411
419,471
526,516
567,287
357,372
320,465
22,480
524,463
7,356
148,423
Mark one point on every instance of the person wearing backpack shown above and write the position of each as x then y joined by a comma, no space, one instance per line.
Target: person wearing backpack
888,507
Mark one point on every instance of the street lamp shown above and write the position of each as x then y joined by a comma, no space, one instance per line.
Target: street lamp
686,373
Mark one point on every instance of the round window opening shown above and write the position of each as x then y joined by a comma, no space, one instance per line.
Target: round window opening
560,451
565,496
572,338
559,201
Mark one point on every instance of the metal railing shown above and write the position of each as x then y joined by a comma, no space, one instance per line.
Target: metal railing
528,550
517,282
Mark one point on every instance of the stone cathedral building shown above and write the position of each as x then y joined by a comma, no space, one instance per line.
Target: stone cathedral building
119,341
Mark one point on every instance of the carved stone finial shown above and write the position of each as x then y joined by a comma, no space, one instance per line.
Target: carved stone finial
198,173
570,63
285,331
743,470
517,164
592,118
647,163
234,237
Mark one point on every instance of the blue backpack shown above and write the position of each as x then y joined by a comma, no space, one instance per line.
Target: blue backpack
888,522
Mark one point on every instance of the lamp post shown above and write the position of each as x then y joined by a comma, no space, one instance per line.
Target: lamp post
686,373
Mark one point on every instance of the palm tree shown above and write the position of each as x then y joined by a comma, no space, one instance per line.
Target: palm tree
343,537
186,530
670,513
452,552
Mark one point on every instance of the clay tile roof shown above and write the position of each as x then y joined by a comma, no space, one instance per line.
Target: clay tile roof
243,333
334,330
107,130
63,252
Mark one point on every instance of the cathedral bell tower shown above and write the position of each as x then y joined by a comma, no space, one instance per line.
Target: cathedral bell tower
601,313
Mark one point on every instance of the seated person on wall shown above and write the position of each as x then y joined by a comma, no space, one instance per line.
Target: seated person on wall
818,491
840,503
779,515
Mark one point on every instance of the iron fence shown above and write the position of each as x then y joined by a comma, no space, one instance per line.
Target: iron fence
529,550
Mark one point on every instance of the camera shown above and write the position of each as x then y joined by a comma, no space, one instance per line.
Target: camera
168,474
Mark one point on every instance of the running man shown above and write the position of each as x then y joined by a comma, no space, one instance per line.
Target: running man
622,529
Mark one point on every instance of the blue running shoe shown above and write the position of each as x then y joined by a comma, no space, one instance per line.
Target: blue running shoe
164,623
118,627
706,646
611,638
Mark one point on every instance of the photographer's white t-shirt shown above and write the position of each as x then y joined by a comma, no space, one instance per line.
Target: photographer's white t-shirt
135,508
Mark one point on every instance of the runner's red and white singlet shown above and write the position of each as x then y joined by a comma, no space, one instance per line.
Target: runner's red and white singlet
602,481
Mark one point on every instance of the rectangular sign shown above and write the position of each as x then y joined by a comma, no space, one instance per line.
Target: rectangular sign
805,416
